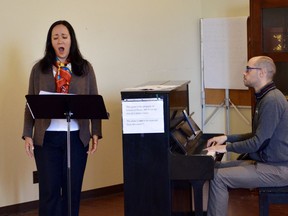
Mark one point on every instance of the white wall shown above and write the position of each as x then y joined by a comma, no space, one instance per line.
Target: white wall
128,42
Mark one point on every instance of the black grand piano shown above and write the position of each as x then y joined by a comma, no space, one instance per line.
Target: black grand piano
164,161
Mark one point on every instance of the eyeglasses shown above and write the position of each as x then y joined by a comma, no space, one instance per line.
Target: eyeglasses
252,68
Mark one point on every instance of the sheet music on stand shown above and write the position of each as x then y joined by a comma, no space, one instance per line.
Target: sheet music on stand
79,105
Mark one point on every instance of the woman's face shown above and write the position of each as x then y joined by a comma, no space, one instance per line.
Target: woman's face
61,42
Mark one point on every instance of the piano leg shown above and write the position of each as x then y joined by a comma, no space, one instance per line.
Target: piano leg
197,186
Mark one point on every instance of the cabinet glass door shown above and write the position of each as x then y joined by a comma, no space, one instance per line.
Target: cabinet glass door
275,30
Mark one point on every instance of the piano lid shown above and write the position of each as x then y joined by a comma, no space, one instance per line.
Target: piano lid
157,86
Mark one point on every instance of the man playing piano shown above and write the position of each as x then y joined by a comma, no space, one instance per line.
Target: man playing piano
266,146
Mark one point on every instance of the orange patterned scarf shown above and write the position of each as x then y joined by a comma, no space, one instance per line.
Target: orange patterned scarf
62,77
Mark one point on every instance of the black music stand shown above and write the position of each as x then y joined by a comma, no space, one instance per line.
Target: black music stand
63,106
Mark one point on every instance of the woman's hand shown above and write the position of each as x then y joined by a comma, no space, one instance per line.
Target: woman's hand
94,146
29,147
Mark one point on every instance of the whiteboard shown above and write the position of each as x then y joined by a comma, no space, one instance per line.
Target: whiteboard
224,52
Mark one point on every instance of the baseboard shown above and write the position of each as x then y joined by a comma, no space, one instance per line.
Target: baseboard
105,191
28,206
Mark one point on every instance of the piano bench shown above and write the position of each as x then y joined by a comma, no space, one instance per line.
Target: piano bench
271,195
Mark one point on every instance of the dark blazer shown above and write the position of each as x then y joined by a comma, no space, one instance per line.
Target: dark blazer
38,81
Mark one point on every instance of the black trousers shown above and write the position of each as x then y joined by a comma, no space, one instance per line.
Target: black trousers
51,162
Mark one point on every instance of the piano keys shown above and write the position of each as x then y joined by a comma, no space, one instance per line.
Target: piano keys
188,137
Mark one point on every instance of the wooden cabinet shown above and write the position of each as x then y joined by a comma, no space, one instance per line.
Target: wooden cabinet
268,35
